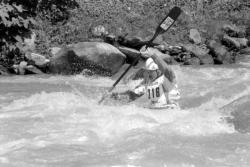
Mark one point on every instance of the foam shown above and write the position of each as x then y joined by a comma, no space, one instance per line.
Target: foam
73,117
79,118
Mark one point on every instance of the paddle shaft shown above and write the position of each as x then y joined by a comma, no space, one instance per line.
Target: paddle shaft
165,24
133,63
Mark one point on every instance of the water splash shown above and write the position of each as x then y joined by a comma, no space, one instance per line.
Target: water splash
50,120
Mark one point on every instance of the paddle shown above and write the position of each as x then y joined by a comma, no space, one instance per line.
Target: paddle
165,24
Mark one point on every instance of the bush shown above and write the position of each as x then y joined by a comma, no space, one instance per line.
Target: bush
55,10
17,19
14,23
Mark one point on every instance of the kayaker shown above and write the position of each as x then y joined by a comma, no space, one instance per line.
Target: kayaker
159,83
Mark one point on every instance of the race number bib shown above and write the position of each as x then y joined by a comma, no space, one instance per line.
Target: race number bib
153,92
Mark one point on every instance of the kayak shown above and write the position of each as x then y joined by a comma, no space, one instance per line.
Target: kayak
166,106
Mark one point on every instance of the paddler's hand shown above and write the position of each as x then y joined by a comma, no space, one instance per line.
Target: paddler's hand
114,95
122,97
145,52
148,52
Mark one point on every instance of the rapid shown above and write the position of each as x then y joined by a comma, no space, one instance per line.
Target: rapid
51,120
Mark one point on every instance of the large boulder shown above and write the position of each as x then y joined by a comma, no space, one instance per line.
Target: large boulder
100,57
220,52
200,52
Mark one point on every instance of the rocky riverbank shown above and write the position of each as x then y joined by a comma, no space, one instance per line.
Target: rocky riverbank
107,53
98,37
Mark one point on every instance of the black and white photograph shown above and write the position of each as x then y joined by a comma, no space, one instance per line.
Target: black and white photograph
124,83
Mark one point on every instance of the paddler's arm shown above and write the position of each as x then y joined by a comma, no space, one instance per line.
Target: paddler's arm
163,66
127,95
130,95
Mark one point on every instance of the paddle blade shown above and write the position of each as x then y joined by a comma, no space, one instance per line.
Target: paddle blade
167,22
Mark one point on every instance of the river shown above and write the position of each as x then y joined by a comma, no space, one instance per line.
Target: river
51,120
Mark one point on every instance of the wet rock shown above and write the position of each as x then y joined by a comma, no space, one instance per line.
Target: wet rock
183,57
242,58
220,53
239,110
231,42
175,50
245,51
97,56
195,36
192,61
103,54
3,70
200,52
233,31
235,42
20,68
30,69
37,59
248,34
23,68
243,42
111,39
63,62
95,40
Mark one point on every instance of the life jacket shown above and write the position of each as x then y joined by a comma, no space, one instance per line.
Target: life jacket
161,93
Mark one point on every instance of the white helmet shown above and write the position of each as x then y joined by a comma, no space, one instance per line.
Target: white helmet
151,65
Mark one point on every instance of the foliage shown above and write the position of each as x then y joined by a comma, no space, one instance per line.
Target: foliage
13,24
235,11
62,22
17,19
55,10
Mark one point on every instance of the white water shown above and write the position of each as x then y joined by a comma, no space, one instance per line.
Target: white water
55,121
